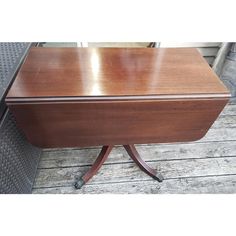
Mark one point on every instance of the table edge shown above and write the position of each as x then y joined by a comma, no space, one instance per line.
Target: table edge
15,100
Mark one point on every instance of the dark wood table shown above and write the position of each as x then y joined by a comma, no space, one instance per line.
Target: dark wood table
68,97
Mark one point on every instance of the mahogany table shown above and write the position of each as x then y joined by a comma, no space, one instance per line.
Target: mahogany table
67,97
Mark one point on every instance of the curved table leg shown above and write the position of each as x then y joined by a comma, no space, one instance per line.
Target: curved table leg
133,153
95,167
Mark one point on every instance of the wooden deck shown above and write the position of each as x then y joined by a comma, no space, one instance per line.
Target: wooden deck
205,166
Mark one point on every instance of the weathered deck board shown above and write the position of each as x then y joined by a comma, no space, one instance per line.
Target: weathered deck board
80,157
204,166
225,122
221,134
230,110
130,172
221,184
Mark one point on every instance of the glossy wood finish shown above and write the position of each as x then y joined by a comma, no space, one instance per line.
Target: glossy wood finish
109,72
133,153
66,97
86,97
91,123
103,155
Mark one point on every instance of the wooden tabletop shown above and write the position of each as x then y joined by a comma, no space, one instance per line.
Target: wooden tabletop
108,72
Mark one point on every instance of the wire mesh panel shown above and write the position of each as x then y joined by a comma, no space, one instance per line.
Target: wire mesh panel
11,55
18,158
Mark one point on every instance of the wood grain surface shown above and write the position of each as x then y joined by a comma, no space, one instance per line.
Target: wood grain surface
81,72
69,97
74,124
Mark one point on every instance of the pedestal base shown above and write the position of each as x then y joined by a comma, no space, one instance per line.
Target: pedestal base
131,150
